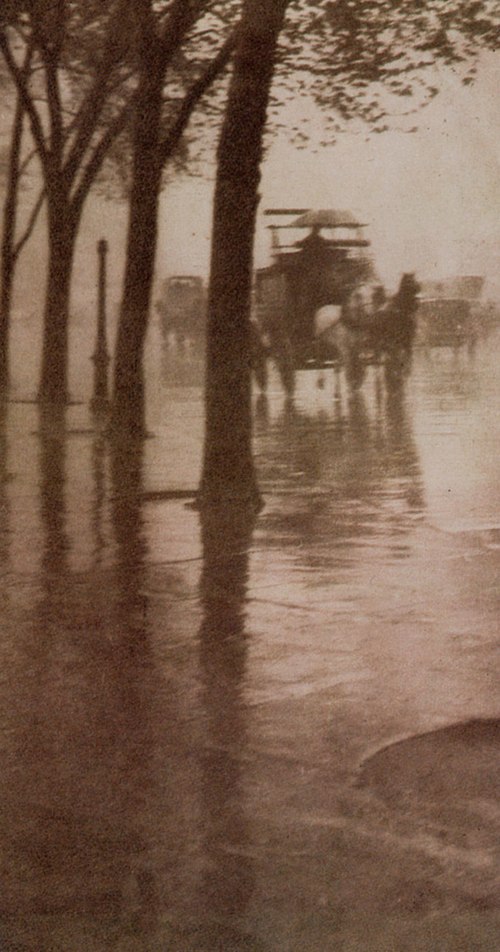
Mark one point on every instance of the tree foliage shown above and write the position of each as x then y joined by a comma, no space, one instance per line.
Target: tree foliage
354,58
373,60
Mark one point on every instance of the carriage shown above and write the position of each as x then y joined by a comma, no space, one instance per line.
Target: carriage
449,311
181,308
319,302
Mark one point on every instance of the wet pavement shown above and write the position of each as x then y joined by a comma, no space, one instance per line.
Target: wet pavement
278,735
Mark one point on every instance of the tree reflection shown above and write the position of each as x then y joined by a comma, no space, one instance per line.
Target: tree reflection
127,460
52,490
99,495
80,809
4,498
228,878
132,685
401,452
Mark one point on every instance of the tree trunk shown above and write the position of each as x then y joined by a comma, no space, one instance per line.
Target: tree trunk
128,391
228,468
62,231
223,647
8,255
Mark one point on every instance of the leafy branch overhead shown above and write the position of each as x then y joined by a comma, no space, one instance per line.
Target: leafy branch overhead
373,59
354,58
143,81
85,70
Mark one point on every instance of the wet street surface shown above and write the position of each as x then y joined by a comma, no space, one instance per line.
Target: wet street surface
278,735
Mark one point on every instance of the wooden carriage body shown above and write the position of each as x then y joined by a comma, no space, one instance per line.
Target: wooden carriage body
182,306
306,276
448,312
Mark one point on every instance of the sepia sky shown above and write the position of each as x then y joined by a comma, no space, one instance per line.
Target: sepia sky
431,198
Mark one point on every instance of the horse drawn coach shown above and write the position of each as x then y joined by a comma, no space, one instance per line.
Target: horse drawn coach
181,308
319,303
449,313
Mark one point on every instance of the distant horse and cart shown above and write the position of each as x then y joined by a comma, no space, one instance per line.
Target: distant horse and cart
319,304
451,313
181,309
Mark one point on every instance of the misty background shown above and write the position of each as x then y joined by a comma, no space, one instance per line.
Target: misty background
430,199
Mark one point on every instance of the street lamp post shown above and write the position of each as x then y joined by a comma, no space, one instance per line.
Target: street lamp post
101,356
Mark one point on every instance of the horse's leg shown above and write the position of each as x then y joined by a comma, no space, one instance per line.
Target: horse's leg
262,408
408,360
337,392
259,364
378,383
394,368
331,349
283,357
259,367
355,369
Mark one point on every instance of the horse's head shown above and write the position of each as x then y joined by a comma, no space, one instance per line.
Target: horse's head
409,287
406,298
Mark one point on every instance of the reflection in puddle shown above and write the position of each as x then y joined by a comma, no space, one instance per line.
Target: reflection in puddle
351,479
183,714
228,878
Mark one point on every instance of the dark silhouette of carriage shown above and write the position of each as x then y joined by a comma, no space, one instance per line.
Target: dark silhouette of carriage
308,278
449,312
317,305
182,308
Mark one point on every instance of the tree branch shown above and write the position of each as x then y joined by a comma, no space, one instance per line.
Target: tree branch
193,96
182,17
54,106
99,154
26,98
96,97
18,247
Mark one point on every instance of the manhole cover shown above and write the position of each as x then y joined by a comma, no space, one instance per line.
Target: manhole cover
461,761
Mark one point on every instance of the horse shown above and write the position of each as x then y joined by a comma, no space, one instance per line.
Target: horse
393,329
373,329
